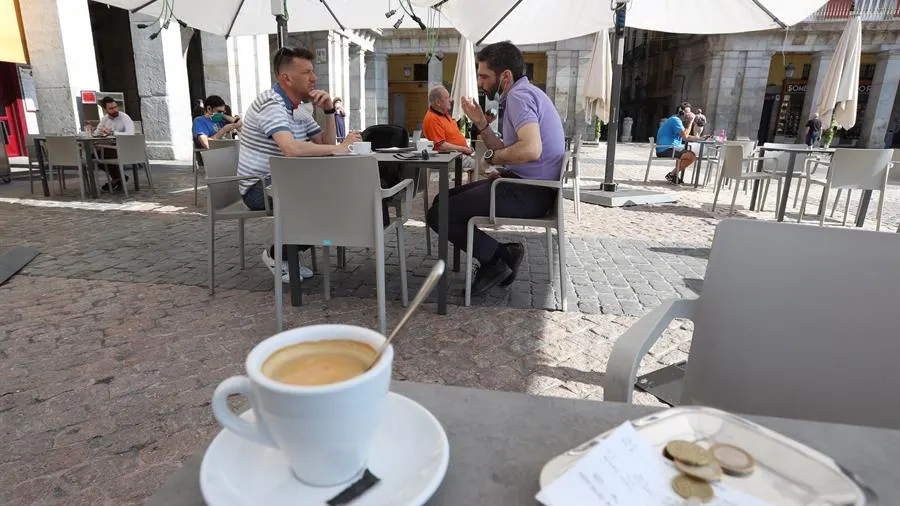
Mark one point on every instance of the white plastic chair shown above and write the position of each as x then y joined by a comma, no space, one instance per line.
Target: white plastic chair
653,157
853,169
131,150
734,160
811,334
780,160
336,201
571,173
224,202
555,219
64,151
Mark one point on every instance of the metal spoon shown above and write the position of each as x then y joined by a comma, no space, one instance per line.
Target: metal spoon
436,272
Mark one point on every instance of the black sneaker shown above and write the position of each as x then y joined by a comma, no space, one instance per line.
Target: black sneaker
489,276
672,178
516,253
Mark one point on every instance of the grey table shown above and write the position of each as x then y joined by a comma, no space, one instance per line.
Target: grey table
442,162
87,146
785,192
699,164
500,441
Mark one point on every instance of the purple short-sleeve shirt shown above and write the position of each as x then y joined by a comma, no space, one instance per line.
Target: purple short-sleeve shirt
526,103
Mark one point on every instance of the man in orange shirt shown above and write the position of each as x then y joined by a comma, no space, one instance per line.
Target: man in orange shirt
440,128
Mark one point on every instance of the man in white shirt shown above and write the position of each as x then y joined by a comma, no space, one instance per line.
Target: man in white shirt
114,122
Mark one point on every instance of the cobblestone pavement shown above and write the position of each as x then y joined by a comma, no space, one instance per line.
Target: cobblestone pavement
110,346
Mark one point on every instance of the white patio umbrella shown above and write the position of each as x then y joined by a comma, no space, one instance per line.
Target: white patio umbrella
465,83
840,89
535,21
254,17
598,85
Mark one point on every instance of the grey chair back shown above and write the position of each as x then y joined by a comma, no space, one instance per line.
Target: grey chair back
860,169
327,199
222,163
63,151
131,149
224,143
812,336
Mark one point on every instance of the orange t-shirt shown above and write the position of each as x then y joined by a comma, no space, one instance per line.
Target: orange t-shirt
440,128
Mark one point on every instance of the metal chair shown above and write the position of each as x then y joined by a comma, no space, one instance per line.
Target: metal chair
31,146
652,157
64,151
224,202
810,334
571,173
336,201
555,219
733,161
131,150
853,169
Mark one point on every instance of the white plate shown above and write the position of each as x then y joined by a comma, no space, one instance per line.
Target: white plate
409,454
787,473
348,154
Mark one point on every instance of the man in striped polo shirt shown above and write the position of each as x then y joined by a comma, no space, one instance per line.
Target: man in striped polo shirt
274,126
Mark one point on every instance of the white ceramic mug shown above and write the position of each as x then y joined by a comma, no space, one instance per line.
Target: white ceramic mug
325,431
361,148
424,145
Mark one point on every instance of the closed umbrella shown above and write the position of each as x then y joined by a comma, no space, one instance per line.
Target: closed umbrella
464,82
840,89
598,85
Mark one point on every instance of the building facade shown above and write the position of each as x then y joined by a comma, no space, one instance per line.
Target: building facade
764,85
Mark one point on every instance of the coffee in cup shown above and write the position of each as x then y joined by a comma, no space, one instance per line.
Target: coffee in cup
361,148
314,398
319,362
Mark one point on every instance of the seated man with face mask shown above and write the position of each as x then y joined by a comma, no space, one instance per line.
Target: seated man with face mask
212,124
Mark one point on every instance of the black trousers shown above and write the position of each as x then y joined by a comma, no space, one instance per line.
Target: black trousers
474,199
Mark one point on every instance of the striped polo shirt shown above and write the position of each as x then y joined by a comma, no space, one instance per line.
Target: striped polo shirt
271,112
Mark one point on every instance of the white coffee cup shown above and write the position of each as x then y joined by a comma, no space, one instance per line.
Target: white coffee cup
424,145
325,431
361,148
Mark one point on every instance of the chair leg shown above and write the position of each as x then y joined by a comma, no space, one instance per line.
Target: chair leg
824,199
149,176
880,207
82,179
312,256
846,208
470,240
649,162
778,200
196,183
737,188
326,268
549,232
765,194
425,201
212,255
31,176
241,241
719,183
379,284
401,250
124,183
803,202
837,197
563,275
797,191
576,194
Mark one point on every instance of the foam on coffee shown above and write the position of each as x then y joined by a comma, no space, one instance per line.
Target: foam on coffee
312,363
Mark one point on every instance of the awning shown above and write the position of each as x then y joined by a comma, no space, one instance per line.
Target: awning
12,40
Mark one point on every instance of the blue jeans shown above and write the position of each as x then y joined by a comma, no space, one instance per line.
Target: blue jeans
254,198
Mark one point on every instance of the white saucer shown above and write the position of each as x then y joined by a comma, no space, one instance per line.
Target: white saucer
409,454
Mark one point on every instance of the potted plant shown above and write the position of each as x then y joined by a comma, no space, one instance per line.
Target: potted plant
828,134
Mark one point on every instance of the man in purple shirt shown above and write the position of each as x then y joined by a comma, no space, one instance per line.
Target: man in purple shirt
533,147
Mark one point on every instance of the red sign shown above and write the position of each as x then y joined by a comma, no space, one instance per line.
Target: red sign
88,97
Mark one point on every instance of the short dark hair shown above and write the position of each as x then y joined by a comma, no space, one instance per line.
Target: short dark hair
501,56
336,100
213,101
286,55
106,101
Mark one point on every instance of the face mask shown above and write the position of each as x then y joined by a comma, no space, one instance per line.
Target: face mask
498,93
218,117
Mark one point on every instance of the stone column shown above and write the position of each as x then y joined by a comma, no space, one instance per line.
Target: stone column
335,65
345,70
752,82
381,88
817,69
881,99
551,73
215,65
163,90
358,90
563,79
579,122
435,72
61,53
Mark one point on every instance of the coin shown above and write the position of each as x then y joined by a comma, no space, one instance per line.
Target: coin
689,453
709,472
732,459
688,487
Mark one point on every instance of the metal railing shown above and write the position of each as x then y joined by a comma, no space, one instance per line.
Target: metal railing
869,10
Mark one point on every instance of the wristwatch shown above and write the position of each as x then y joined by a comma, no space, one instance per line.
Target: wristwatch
489,155
329,111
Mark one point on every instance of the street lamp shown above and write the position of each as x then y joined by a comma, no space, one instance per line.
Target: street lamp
789,71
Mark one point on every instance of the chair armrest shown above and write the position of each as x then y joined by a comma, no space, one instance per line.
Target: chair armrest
407,184
231,179
529,182
630,348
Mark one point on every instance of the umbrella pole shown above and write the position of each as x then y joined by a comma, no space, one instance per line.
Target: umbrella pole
618,45
282,30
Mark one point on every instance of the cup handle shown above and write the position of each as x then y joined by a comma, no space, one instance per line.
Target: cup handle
253,431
